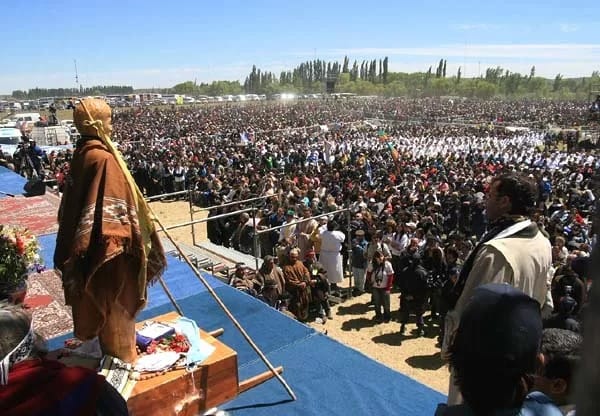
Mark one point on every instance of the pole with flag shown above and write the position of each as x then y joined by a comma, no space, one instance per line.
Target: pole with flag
395,154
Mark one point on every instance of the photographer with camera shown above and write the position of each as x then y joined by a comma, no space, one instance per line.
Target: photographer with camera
319,285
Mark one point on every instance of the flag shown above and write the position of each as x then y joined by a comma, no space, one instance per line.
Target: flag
393,152
383,137
244,137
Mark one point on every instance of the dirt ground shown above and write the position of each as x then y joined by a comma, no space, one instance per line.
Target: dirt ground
352,323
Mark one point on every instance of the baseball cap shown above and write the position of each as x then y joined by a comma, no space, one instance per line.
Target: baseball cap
501,327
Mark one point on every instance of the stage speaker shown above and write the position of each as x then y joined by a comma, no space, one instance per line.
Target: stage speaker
34,187
330,87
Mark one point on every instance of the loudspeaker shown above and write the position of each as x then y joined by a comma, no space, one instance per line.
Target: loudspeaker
34,187
330,87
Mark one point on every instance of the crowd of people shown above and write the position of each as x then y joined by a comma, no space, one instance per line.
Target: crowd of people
401,194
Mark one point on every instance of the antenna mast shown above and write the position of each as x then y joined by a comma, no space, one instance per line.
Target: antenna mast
76,74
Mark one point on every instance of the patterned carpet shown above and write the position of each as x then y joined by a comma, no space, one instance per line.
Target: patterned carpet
37,213
51,317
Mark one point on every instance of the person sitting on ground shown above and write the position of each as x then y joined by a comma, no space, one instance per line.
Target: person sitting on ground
496,353
242,281
562,353
33,385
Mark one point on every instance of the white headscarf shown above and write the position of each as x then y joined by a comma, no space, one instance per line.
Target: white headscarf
19,353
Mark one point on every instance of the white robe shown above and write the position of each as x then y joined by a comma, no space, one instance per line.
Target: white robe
331,256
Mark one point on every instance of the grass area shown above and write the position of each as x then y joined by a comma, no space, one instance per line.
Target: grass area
61,114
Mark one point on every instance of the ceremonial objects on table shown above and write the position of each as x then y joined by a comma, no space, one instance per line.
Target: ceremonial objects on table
180,392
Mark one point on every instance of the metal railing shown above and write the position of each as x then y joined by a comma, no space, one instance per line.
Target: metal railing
257,233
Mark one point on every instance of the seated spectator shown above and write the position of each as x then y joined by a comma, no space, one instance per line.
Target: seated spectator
567,282
496,353
242,281
559,251
564,317
562,352
33,385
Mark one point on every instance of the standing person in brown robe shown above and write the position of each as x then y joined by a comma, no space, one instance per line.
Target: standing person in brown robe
107,249
298,282
304,231
271,279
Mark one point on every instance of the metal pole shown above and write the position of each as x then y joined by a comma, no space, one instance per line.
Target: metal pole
227,214
255,242
238,202
302,220
152,198
349,245
224,307
170,296
190,197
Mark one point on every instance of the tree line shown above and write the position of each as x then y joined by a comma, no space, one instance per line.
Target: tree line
372,77
36,93
366,77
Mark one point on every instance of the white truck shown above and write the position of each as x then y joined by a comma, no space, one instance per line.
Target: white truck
22,120
50,136
9,140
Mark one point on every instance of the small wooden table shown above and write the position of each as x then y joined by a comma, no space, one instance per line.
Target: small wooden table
185,393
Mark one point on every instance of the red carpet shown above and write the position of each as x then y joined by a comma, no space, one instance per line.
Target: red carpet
37,213
38,301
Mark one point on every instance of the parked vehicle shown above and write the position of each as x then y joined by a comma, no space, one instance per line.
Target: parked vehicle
23,120
9,140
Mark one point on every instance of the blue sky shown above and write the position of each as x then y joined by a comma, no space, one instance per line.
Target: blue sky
155,43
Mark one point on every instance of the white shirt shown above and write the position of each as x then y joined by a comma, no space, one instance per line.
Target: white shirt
381,275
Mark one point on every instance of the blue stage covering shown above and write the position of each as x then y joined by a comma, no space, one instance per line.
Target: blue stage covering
10,182
327,377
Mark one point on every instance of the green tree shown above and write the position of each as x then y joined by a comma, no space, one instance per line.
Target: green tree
187,87
343,78
427,76
19,94
440,86
557,82
484,89
354,72
395,89
385,70
345,68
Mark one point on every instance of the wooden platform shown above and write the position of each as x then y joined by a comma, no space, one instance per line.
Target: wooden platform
188,393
